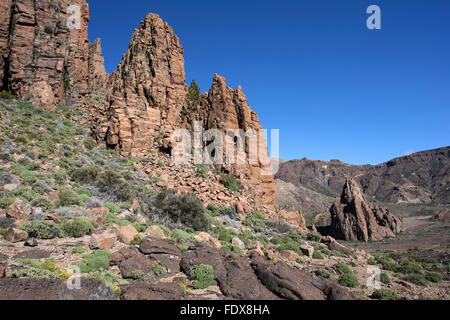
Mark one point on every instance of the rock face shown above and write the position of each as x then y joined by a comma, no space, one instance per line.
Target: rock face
226,109
43,58
354,219
98,77
147,91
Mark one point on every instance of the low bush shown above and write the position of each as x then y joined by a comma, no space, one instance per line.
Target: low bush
384,278
202,275
77,227
96,261
78,250
230,182
158,269
42,229
322,273
68,198
348,280
385,294
185,208
433,277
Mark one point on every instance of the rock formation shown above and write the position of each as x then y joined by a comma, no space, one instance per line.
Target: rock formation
147,102
98,77
137,108
147,91
354,219
41,57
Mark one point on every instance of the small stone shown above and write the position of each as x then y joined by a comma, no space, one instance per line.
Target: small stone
206,237
103,241
156,232
289,254
9,187
31,242
126,233
19,210
307,250
238,243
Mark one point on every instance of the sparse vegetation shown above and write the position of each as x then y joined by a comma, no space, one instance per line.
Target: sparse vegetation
202,275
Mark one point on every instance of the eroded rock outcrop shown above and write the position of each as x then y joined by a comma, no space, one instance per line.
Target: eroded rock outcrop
98,77
354,219
42,58
147,91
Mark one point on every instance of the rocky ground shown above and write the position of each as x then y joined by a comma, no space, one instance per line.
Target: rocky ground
67,205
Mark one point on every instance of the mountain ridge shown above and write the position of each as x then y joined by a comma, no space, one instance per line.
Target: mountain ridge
418,178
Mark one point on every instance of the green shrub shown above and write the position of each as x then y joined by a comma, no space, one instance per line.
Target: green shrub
348,280
183,247
433,277
78,250
60,178
215,211
202,170
343,268
322,273
416,278
185,208
137,240
109,278
68,198
96,261
42,229
136,274
202,275
113,208
85,175
232,248
384,278
77,227
178,234
372,261
112,183
226,235
158,269
385,294
317,255
387,264
409,267
141,227
230,182
313,237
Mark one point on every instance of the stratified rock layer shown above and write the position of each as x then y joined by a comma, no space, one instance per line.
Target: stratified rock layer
354,219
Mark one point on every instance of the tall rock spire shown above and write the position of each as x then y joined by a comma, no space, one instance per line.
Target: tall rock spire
354,219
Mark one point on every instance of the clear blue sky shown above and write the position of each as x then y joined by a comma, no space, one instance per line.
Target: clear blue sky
312,69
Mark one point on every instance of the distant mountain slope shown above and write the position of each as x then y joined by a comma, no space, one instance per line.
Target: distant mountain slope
419,178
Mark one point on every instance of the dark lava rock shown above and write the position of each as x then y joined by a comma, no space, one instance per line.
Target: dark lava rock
31,242
33,254
123,254
158,246
294,284
52,289
170,262
233,274
152,291
138,262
